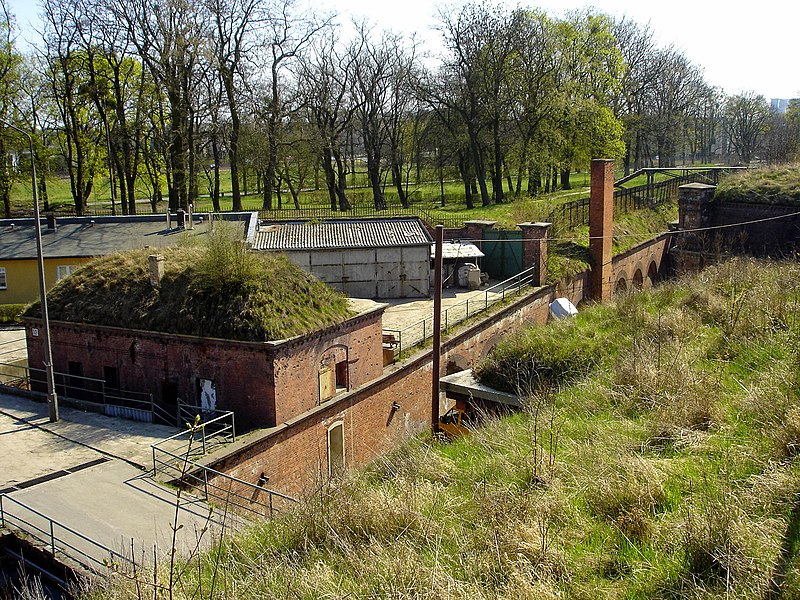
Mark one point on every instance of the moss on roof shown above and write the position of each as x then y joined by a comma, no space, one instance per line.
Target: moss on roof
221,290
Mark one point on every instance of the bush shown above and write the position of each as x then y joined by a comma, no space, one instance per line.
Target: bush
10,313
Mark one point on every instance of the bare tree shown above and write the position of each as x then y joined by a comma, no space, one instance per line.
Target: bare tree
326,79
288,33
233,39
169,36
67,69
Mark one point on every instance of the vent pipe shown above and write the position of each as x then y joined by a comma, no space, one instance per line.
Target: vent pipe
190,219
169,220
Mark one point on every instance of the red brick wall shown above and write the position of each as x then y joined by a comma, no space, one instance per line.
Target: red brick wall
294,455
644,261
246,374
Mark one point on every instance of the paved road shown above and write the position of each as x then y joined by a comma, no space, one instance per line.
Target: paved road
88,474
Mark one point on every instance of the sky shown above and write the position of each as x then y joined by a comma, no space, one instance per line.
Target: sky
740,50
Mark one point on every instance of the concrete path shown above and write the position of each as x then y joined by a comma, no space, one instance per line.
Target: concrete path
414,319
12,344
120,509
88,475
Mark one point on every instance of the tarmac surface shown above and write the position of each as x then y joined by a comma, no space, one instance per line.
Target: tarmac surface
87,477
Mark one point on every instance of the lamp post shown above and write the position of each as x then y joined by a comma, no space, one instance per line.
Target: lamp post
52,398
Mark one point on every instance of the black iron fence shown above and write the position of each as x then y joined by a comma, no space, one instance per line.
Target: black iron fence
576,212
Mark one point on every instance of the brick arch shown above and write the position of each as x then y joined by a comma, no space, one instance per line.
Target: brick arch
491,343
456,363
621,286
638,277
652,273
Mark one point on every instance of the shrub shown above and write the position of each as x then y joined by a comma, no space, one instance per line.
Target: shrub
10,313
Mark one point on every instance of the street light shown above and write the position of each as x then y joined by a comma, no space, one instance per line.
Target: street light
52,399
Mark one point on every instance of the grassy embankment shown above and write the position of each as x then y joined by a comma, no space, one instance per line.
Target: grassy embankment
770,185
656,459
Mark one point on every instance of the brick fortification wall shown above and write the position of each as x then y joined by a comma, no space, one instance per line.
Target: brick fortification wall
264,383
294,454
774,237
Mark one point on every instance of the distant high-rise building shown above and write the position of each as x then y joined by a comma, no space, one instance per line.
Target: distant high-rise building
779,105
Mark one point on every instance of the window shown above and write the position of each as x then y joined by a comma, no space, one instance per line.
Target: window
2,278
336,449
63,270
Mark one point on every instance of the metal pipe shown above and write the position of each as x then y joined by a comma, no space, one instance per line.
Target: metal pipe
52,398
437,329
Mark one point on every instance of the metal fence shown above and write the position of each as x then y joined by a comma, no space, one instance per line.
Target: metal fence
360,211
204,429
576,212
59,538
420,332
220,488
113,402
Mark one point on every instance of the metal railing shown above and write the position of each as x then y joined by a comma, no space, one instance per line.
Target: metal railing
137,406
576,212
213,427
220,488
418,333
58,537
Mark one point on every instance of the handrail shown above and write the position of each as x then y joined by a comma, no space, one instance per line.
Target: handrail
202,426
49,538
100,395
244,500
479,302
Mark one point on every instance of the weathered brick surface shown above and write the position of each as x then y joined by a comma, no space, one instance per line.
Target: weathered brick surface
264,383
601,217
641,266
294,455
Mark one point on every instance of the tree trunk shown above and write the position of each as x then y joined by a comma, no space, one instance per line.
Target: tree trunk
330,176
565,184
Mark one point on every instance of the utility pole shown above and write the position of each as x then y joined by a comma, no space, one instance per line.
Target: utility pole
52,398
437,328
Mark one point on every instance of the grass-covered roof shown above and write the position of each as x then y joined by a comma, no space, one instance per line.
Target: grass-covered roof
769,185
219,290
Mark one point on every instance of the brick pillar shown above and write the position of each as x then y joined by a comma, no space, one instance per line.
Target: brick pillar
601,225
473,230
534,249
693,212
694,204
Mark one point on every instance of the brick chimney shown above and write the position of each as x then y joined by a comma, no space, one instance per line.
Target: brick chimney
601,225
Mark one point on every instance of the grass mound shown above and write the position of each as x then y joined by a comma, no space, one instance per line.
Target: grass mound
769,185
221,290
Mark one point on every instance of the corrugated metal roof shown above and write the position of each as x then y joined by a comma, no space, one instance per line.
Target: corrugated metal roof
346,233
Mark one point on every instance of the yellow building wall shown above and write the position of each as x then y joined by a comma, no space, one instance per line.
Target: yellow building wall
22,277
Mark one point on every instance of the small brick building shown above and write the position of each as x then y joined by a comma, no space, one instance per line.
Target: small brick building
263,383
